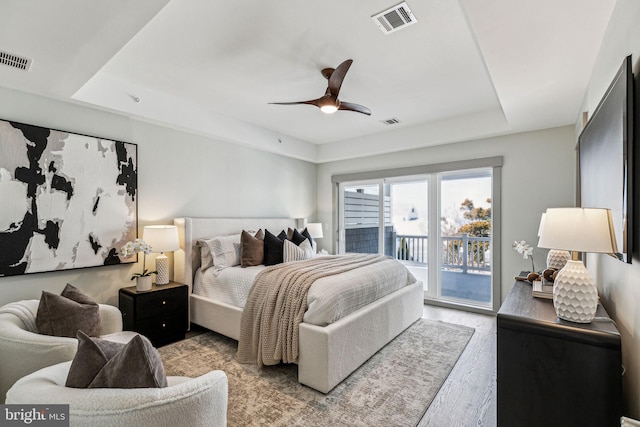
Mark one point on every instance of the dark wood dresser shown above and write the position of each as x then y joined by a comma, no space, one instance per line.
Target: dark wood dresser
160,314
552,372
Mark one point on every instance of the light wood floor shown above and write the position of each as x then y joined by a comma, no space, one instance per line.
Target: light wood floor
468,396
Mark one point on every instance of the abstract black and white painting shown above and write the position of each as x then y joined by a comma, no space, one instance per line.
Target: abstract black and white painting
66,200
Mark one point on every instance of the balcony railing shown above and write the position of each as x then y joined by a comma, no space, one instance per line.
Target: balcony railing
462,252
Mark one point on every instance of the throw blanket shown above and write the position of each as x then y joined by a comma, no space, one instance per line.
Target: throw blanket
276,304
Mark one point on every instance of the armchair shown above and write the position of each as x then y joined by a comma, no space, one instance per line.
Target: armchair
25,351
200,401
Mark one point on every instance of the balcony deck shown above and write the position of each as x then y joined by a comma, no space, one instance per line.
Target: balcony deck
471,286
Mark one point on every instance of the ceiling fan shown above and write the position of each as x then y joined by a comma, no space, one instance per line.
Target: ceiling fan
329,102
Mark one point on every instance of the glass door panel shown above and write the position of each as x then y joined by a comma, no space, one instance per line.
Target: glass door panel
409,230
465,237
361,223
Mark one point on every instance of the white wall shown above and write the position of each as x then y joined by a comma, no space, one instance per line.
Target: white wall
538,172
620,283
180,174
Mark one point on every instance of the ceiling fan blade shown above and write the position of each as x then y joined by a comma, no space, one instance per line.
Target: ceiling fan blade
354,107
335,80
311,102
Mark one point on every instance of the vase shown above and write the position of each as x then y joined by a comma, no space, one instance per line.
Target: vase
143,283
557,259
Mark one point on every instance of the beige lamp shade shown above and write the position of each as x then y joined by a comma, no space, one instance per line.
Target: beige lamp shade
578,229
161,238
315,230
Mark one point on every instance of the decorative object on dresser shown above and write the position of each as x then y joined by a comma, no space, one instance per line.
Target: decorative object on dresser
555,373
160,314
555,258
575,295
69,200
161,238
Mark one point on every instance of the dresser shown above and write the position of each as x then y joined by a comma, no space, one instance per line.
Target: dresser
160,314
552,372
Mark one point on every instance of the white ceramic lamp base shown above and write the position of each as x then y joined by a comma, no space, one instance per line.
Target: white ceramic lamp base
575,296
162,268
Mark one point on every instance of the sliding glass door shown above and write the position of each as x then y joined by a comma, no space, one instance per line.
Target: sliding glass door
440,225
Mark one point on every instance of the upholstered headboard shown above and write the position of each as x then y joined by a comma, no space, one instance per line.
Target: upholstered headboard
186,260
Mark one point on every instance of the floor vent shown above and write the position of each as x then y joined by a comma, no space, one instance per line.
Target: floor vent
391,121
15,61
395,18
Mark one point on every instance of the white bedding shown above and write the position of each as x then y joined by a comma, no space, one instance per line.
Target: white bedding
329,299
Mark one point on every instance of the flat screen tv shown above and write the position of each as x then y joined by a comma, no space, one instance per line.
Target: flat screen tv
606,158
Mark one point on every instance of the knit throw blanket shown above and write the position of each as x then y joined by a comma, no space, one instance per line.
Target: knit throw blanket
277,302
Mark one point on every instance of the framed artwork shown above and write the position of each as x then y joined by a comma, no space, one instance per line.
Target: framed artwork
66,200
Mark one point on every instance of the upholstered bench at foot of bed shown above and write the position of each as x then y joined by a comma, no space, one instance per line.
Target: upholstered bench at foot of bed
329,354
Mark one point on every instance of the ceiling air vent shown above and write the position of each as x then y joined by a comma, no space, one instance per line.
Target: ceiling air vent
394,19
15,61
391,121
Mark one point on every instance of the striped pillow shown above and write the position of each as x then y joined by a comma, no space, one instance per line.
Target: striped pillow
298,253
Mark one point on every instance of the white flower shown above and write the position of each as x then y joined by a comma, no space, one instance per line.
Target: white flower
132,248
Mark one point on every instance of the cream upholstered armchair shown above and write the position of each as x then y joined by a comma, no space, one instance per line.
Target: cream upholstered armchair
200,401
24,351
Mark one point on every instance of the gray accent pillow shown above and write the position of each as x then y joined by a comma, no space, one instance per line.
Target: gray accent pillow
65,314
100,363
251,248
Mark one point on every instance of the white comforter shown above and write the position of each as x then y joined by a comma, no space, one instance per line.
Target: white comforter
329,299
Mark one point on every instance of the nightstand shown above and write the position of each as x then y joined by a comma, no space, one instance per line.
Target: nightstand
552,372
159,314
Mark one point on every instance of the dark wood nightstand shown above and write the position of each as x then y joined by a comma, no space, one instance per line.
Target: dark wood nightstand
160,314
552,372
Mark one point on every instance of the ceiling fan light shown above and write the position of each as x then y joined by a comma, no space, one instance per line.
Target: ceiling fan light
329,109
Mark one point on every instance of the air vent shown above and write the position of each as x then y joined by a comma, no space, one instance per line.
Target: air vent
394,19
15,61
391,121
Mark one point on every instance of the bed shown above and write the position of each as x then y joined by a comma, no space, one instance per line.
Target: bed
327,354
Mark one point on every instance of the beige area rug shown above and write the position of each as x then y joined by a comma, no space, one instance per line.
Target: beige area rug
393,388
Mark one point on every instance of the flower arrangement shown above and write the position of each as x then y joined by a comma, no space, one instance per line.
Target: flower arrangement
132,248
525,250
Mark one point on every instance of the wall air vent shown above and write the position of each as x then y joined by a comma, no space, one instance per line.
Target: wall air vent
395,18
391,121
15,61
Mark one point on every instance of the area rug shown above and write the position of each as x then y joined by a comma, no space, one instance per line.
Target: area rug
393,388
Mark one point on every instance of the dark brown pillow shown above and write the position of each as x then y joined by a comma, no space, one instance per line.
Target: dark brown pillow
65,314
103,364
251,248
90,358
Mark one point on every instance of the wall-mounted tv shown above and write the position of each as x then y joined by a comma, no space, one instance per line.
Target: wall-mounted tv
606,158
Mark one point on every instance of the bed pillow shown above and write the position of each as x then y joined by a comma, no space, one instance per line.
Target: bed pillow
219,251
206,257
293,252
295,236
65,314
100,363
306,234
273,247
226,251
251,248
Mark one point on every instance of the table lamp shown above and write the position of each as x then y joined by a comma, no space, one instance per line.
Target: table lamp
575,295
161,238
315,230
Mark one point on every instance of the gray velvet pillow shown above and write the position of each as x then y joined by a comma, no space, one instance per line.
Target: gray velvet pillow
103,364
65,314
251,248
